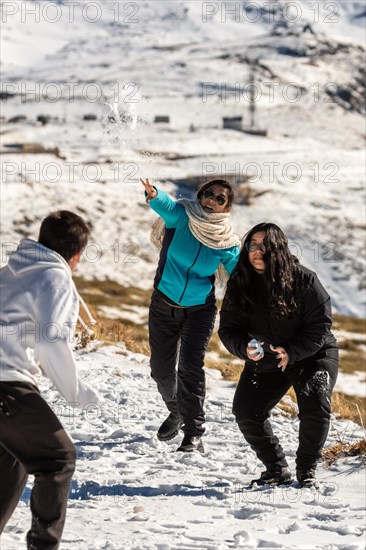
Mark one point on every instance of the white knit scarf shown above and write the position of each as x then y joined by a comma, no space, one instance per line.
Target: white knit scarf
210,229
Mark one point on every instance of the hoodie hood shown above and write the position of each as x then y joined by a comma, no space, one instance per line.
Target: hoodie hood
39,310
31,256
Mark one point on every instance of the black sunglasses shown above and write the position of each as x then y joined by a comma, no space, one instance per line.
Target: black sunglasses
252,246
219,199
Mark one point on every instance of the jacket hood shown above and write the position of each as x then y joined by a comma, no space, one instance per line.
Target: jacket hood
31,255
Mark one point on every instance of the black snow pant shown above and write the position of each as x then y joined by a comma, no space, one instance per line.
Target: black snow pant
180,335
32,441
257,393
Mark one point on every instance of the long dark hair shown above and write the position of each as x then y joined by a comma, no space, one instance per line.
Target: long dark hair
281,274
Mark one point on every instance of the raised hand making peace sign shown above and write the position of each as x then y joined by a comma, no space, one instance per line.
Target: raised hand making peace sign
151,192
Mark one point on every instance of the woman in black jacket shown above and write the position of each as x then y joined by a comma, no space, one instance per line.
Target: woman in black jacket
271,298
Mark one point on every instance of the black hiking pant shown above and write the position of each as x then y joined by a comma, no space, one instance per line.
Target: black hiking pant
180,336
257,393
32,441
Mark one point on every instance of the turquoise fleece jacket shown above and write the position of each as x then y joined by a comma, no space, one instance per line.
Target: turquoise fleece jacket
186,269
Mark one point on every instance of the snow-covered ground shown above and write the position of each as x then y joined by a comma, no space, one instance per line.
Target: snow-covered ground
180,59
132,492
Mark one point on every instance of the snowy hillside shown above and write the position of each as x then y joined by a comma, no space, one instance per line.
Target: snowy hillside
69,34
132,492
191,61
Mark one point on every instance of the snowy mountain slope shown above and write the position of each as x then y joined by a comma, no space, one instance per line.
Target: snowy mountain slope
324,224
308,173
131,491
65,27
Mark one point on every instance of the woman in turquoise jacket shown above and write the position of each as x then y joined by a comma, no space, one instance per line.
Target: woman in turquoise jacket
195,241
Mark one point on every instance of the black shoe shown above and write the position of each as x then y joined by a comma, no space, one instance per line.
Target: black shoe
170,427
191,443
279,475
306,478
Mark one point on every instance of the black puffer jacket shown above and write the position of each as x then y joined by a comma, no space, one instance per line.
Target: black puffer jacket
306,333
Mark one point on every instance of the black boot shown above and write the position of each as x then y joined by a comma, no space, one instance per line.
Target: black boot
170,427
274,475
306,478
191,443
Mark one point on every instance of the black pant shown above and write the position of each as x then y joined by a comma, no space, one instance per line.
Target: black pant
181,335
32,441
257,393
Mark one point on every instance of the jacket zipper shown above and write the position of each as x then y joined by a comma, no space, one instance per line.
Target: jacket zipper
187,276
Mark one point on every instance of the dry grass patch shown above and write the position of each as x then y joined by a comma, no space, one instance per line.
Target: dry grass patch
355,357
341,450
349,324
216,346
349,407
230,367
112,331
110,293
134,337
343,406
353,361
347,344
229,370
288,403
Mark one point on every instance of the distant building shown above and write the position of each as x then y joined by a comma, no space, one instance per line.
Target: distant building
18,118
161,119
233,123
90,116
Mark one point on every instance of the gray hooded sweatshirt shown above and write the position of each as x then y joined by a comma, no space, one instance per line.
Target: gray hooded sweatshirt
39,308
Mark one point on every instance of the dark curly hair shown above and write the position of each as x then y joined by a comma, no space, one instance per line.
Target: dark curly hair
283,278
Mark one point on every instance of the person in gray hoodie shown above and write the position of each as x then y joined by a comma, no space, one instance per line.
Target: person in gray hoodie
38,315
